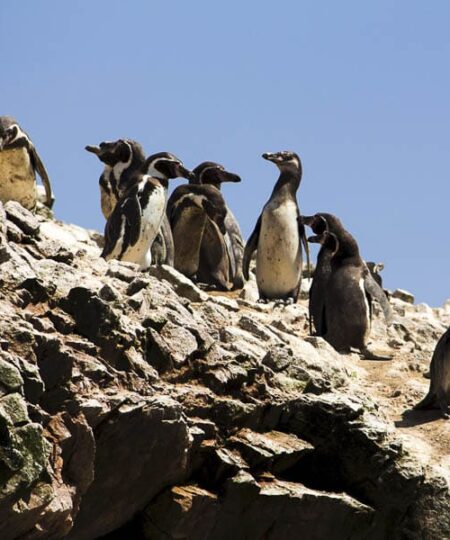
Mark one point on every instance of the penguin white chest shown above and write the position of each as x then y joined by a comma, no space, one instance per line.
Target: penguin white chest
152,212
17,177
278,258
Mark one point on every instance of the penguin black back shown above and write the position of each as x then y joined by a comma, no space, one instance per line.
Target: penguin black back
19,163
123,160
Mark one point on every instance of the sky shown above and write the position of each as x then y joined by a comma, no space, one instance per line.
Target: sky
360,90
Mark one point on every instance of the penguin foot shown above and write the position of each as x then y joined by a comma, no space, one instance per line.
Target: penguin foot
283,302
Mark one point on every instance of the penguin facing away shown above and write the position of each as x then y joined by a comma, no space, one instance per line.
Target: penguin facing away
123,161
214,174
19,163
278,235
320,223
134,223
438,396
197,215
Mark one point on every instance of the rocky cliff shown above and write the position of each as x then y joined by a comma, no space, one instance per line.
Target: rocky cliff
135,405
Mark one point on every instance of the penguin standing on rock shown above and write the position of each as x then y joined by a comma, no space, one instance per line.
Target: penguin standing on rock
346,313
19,162
214,174
204,248
134,223
438,396
123,161
278,235
321,223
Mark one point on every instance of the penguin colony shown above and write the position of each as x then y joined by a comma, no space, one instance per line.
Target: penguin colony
196,232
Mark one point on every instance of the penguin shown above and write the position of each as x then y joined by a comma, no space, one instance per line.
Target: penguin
123,161
214,174
346,313
375,269
134,223
19,163
345,320
278,235
320,223
438,396
197,215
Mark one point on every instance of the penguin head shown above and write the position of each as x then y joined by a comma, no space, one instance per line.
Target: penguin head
214,174
164,166
326,239
113,152
318,223
285,160
375,268
322,222
13,137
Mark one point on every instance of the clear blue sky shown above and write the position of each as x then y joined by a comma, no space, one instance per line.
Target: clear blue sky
361,90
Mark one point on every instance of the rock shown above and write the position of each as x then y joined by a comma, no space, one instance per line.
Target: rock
134,404
181,512
405,296
250,291
10,377
25,220
182,285
156,459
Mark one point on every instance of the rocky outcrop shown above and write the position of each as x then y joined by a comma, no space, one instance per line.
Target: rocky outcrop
137,405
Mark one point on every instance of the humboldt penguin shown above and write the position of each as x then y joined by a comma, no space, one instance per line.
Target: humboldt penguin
214,174
345,320
438,396
19,163
134,223
278,235
320,223
123,161
197,214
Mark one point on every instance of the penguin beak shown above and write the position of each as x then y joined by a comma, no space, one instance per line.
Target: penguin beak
94,149
181,171
306,220
270,156
317,239
226,176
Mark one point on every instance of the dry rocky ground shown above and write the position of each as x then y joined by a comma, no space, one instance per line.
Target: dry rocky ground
135,405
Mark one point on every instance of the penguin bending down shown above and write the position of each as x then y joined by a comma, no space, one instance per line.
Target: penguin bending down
123,161
438,396
278,235
346,315
197,215
19,162
136,219
321,223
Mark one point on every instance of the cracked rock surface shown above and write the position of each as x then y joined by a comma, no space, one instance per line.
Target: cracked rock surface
135,405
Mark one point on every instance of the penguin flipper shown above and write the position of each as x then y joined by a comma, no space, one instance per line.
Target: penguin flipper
123,224
250,247
166,232
41,170
237,246
376,292
304,240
